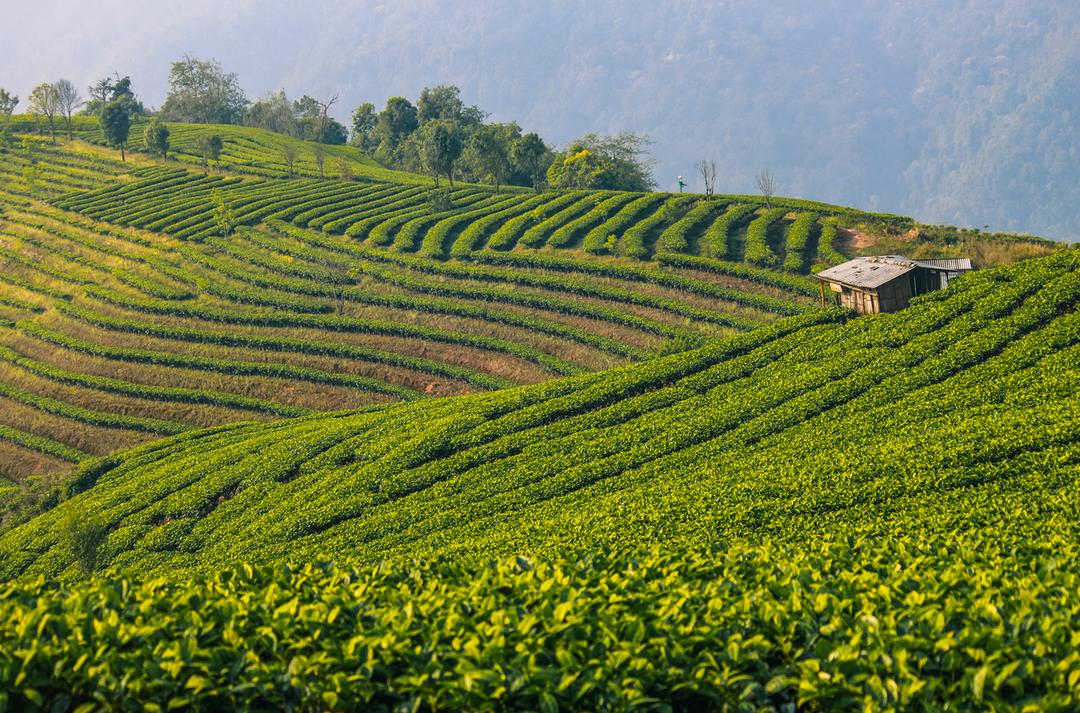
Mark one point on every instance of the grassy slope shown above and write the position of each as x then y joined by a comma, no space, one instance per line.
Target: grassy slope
823,513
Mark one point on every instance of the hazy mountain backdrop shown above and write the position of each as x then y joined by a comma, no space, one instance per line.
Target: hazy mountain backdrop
952,111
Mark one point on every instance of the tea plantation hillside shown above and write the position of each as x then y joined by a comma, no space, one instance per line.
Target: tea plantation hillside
245,150
822,513
132,319
140,299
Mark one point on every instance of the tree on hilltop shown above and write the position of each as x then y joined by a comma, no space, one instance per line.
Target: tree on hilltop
274,112
45,103
8,102
531,154
112,89
156,138
488,152
68,99
604,162
116,124
766,186
440,147
395,123
443,102
314,122
306,118
201,92
323,116
707,169
364,119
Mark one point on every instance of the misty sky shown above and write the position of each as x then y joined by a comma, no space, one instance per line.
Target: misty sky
950,111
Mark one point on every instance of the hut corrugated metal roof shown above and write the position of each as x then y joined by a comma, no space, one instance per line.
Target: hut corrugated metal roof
954,264
868,272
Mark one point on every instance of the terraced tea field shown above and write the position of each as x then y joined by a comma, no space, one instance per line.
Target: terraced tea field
245,150
126,316
662,477
637,226
821,513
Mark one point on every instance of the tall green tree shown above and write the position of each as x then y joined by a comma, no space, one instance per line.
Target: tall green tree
396,121
604,162
201,92
274,112
440,148
364,119
116,124
45,104
444,102
112,89
533,156
100,94
156,138
440,102
488,153
8,102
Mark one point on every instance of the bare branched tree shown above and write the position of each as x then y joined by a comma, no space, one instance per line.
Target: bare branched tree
324,110
707,169
766,185
68,96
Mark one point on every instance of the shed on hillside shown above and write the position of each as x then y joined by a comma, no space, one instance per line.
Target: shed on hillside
886,283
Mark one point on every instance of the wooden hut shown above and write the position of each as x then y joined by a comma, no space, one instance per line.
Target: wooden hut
886,283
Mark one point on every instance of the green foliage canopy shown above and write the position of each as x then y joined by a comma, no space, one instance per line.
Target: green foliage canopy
603,162
201,92
156,138
116,123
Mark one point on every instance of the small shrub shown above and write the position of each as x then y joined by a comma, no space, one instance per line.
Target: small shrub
84,534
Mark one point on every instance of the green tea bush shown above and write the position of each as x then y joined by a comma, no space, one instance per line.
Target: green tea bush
827,251
603,237
758,251
798,238
85,535
675,238
719,239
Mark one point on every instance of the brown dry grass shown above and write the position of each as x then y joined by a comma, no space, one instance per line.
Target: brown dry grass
499,364
90,439
196,415
18,463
